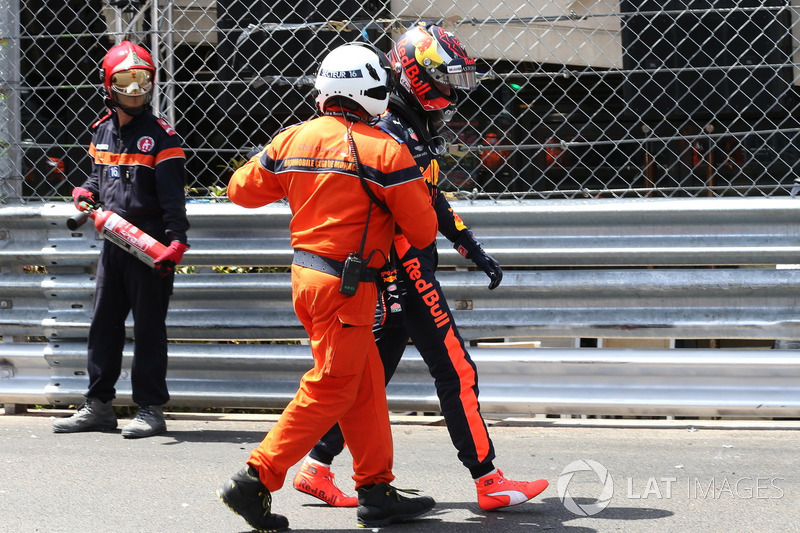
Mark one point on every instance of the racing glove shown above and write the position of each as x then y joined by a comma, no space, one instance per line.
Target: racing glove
471,249
83,198
166,262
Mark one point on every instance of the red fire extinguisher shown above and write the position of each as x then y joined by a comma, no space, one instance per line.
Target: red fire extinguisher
119,231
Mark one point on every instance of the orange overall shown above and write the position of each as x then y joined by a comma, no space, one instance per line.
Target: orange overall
312,166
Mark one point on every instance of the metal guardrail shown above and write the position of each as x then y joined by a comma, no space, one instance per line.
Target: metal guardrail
512,380
573,269
543,233
653,303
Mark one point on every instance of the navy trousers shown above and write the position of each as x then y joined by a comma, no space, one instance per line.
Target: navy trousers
125,284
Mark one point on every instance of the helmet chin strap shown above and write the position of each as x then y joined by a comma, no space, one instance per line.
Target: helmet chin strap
133,111
111,103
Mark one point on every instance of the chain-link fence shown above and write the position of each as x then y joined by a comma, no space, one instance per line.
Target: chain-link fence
633,98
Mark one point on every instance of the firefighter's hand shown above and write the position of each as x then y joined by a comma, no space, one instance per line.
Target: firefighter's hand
471,249
83,198
166,262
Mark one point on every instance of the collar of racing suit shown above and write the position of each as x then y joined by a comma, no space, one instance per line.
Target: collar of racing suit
421,124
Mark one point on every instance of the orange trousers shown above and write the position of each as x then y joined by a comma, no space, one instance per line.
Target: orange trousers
346,385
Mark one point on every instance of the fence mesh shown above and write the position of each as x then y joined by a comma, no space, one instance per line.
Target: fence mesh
634,98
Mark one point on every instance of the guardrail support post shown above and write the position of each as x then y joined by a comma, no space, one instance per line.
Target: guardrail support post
15,408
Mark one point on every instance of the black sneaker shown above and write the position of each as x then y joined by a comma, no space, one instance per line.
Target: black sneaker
381,505
245,495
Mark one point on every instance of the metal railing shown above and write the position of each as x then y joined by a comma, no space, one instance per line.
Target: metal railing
694,268
557,381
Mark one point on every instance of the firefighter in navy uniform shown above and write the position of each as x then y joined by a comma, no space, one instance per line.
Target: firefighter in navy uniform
430,67
137,172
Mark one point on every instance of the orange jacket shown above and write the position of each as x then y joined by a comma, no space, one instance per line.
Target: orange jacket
311,165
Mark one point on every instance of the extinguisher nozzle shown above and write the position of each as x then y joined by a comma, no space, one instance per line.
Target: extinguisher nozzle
76,221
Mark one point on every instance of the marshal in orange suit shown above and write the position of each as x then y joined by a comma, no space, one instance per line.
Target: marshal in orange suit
313,165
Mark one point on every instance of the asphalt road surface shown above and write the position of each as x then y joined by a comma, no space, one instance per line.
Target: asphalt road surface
638,476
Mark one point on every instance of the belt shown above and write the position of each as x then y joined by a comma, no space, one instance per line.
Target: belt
329,266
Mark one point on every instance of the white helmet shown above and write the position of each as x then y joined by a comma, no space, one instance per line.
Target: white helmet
358,72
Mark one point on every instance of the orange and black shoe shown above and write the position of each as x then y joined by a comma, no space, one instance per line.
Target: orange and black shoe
316,479
495,491
245,495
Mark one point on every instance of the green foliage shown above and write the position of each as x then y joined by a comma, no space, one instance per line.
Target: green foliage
213,194
249,270
233,164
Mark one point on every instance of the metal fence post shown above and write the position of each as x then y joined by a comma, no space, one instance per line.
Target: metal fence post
10,102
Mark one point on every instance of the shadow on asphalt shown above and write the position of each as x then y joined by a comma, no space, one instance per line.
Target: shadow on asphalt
202,435
548,514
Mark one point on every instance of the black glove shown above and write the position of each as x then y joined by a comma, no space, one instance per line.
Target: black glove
391,308
471,249
252,152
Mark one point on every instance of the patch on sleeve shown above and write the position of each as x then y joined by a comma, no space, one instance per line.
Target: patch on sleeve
164,124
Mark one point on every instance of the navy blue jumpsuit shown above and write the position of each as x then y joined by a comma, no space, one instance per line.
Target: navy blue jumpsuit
137,172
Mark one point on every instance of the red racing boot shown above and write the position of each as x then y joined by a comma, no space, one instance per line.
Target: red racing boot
495,491
316,479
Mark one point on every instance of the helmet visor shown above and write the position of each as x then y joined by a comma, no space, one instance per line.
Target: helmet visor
466,80
458,77
133,82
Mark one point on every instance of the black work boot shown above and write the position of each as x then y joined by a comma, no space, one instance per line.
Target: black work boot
245,495
93,415
380,505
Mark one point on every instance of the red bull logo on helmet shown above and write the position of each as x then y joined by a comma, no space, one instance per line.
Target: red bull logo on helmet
426,49
411,69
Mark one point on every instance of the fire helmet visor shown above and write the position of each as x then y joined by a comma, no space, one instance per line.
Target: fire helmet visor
132,82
